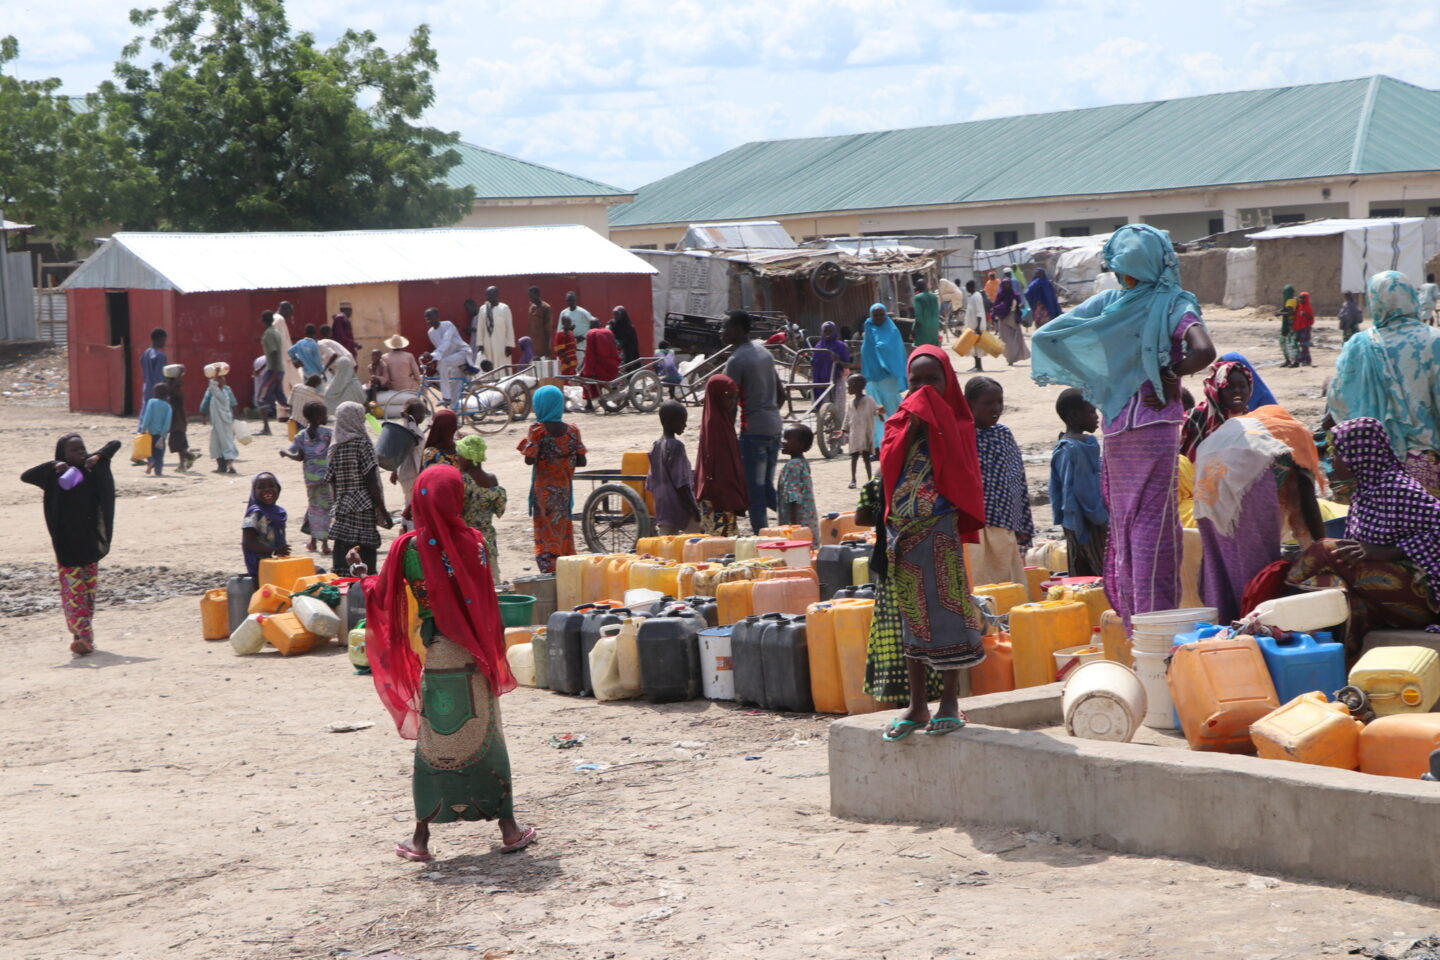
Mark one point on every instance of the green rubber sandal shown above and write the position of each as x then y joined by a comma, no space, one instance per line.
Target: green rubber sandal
898,730
940,726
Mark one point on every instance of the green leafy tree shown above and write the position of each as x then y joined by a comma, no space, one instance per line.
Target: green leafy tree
64,165
246,125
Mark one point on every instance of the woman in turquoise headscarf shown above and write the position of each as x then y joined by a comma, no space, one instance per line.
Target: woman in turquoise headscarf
553,450
1389,372
882,364
1127,350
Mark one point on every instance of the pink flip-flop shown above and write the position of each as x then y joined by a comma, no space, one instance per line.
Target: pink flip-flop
405,853
526,838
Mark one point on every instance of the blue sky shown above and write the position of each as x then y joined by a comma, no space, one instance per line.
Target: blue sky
627,91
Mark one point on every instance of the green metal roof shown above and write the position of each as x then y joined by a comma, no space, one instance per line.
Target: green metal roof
497,175
1368,125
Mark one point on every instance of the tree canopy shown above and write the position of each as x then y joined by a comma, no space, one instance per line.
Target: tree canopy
223,118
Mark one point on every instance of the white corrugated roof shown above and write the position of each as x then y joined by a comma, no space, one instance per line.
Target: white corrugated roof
1328,228
207,262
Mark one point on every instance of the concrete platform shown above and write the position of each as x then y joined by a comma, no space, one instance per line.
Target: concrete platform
1271,816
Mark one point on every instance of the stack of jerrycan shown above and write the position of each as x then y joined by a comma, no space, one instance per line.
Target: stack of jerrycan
837,633
1308,729
1037,630
1220,687
772,663
835,565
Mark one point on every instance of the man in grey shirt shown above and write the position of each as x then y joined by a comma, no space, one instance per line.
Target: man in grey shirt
753,370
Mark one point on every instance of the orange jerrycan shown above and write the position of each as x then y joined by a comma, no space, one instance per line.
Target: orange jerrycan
1400,745
835,527
648,546
285,634
284,571
215,615
1034,577
1220,687
636,463
826,689
270,599
784,594
733,601
1309,729
705,549
1037,630
996,673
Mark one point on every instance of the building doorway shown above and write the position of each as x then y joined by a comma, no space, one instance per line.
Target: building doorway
117,308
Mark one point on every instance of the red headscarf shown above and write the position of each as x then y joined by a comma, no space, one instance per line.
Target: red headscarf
1209,414
458,588
950,433
719,480
1304,313
442,430
602,355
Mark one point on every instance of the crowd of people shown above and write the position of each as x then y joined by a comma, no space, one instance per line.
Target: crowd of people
950,503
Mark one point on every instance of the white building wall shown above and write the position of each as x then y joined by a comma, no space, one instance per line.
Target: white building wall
539,212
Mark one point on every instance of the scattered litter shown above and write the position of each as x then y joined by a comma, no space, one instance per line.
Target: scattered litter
689,744
592,767
566,741
803,776
654,915
349,726
753,757
1261,883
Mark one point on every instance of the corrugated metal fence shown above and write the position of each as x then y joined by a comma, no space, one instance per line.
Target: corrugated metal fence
17,305
52,321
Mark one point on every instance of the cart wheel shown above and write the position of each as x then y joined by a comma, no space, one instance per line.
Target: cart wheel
646,392
614,518
614,395
483,408
828,433
521,399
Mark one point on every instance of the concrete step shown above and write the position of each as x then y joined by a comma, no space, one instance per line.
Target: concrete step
1401,638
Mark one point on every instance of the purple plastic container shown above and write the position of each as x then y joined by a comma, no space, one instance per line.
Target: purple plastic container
71,478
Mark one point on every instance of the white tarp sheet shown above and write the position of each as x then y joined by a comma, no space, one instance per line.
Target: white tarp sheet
1021,253
1239,278
1077,270
1370,246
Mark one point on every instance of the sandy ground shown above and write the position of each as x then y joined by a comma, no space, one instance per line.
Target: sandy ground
165,798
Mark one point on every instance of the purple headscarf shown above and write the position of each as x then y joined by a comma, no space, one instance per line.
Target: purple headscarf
527,352
1388,508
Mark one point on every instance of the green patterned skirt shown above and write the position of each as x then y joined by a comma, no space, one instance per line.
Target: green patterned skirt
885,674
462,769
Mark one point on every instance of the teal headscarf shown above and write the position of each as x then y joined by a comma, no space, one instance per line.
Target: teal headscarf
1390,296
882,350
1111,344
549,403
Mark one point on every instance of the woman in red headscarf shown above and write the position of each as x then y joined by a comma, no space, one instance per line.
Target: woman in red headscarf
719,479
448,703
933,504
601,363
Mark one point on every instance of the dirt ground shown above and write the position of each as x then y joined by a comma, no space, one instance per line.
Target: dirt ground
164,798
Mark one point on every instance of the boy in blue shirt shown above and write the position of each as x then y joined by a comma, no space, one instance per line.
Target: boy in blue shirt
155,420
1075,493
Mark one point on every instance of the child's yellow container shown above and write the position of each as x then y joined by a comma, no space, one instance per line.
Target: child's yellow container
636,463
284,571
732,601
214,615
1037,630
284,633
141,447
1398,679
1310,730
1005,595
292,428
270,599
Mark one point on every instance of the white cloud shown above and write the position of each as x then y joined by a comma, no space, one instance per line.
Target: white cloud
627,91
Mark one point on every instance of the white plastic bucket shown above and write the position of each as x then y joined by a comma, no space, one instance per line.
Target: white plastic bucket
1155,631
1103,700
1306,612
1159,707
1067,659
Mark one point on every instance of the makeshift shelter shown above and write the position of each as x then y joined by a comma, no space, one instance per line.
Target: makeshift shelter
208,291
1331,257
